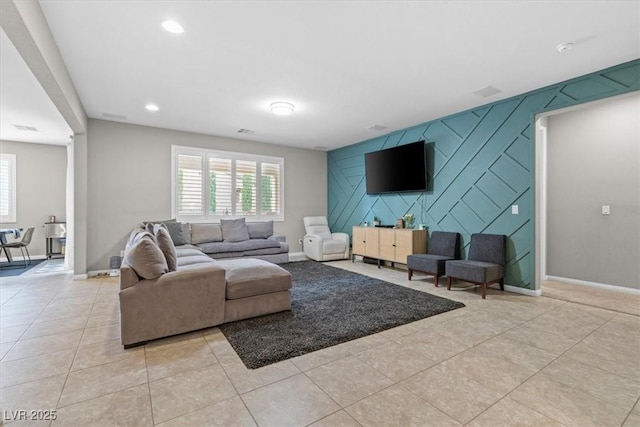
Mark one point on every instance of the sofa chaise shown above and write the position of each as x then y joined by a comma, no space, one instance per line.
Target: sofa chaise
167,290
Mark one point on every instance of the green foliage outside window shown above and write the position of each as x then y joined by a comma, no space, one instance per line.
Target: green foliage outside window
247,193
267,194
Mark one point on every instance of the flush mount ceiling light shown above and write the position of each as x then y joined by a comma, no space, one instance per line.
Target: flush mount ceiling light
173,27
152,107
564,47
282,108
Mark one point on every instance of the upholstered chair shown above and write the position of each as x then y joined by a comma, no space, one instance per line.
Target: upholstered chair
320,243
443,246
484,265
22,245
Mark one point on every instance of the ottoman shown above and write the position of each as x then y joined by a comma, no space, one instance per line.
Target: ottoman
254,287
427,263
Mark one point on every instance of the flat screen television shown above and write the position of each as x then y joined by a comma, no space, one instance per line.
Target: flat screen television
398,169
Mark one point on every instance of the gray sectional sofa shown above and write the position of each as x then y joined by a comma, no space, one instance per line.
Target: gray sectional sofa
231,239
167,289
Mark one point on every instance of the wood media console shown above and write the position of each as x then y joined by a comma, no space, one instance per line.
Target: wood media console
388,244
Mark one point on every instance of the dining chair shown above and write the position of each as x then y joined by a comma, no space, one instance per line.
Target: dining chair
22,244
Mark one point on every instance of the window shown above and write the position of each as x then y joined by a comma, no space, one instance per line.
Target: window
209,185
7,188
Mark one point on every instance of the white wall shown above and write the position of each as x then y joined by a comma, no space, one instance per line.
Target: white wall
41,188
129,181
593,160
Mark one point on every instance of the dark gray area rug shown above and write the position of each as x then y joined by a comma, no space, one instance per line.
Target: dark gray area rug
329,306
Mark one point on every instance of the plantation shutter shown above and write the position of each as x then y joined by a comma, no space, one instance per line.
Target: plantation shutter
7,188
246,192
209,185
270,175
190,185
220,186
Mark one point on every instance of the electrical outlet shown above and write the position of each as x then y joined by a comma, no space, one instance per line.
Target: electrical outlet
606,210
514,210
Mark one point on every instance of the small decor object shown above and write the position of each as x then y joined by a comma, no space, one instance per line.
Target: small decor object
400,223
376,221
409,220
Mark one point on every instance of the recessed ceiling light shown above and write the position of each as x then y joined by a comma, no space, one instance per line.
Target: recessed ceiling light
564,47
282,108
173,27
152,107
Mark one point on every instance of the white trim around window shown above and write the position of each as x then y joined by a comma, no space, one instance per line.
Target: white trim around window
209,185
7,188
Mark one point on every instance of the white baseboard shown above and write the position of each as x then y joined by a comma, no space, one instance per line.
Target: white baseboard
605,286
80,277
297,256
21,258
107,273
523,291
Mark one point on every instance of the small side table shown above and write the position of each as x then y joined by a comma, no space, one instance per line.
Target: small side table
55,231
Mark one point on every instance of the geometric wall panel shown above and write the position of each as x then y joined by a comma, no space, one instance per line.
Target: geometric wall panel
482,162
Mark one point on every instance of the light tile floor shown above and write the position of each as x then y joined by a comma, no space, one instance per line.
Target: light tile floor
504,361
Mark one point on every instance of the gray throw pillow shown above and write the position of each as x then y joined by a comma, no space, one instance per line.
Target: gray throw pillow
179,232
260,230
165,243
234,230
146,258
205,233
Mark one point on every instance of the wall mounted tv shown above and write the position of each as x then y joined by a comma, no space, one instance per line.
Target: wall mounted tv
398,169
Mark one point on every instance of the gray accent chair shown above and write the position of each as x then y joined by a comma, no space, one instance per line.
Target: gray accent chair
484,265
443,246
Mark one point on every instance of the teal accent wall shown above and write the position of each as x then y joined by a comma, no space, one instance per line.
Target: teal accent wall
481,162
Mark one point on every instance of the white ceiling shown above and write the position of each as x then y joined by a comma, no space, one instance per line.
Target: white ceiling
345,65
23,102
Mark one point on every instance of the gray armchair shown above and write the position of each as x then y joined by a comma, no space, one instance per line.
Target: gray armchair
484,265
443,246
320,243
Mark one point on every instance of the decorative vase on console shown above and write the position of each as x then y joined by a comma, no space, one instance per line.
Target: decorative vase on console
409,220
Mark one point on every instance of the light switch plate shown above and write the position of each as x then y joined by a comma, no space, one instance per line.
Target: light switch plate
606,210
514,210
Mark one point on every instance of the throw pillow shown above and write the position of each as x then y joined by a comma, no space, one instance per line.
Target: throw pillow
146,258
260,230
179,232
205,233
165,243
234,230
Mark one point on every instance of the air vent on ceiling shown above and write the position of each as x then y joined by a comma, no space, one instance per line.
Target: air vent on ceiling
23,127
320,147
377,128
244,131
112,116
486,92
